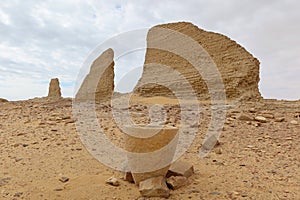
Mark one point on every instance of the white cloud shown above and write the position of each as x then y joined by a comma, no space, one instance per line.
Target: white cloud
41,40
4,18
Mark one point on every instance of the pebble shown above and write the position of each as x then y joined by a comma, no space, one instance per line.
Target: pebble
58,189
215,193
18,159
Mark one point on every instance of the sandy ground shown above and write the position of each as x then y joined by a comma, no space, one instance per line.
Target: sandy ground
39,145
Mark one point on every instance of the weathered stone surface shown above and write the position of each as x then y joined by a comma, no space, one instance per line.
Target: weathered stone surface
139,139
3,100
238,68
98,85
154,187
180,168
54,89
245,117
175,182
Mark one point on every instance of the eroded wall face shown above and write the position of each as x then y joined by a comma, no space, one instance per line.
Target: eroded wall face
238,68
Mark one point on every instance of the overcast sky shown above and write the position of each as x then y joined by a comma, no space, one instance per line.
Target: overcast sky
44,39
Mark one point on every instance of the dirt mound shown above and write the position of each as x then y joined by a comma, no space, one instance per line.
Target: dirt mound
238,68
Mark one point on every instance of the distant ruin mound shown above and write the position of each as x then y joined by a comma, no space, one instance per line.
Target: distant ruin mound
238,68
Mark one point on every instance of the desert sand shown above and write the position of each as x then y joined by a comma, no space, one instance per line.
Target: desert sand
39,145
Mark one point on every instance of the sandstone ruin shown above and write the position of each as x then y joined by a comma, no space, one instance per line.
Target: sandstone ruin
54,89
238,68
98,85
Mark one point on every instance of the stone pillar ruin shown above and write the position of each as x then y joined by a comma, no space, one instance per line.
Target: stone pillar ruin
98,84
54,89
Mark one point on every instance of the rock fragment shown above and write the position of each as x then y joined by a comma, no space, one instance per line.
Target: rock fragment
175,182
112,181
64,179
261,119
181,168
279,119
294,122
245,117
154,187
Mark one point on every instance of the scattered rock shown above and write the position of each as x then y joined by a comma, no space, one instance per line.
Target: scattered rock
18,159
215,193
194,191
180,168
175,182
4,181
219,151
112,181
154,187
257,124
25,145
64,179
294,122
245,117
69,121
268,115
18,194
58,189
261,119
252,110
280,119
54,89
